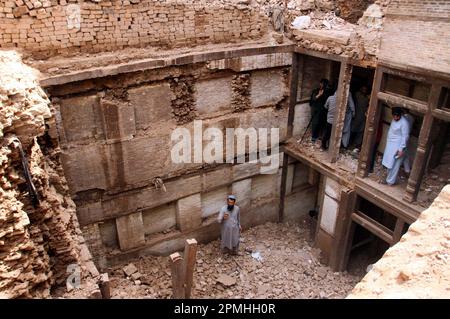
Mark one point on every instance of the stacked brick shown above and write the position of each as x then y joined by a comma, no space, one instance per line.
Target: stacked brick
37,242
67,26
421,27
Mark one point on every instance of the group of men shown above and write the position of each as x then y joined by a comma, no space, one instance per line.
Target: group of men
323,104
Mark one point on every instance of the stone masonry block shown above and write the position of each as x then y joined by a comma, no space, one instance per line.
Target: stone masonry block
189,212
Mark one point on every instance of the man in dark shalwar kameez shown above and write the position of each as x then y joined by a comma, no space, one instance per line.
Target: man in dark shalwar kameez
229,217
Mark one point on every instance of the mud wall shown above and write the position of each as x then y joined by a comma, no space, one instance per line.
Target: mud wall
115,135
59,27
39,233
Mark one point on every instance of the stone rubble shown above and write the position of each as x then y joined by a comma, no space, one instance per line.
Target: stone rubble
291,268
37,242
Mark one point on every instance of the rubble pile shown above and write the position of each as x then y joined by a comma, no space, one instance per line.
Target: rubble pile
39,233
275,261
417,266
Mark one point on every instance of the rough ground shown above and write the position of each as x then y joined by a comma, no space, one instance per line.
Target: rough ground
290,269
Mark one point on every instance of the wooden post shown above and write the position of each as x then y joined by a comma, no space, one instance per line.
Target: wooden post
284,172
398,230
313,176
342,230
190,255
104,286
372,121
178,282
343,91
292,94
423,148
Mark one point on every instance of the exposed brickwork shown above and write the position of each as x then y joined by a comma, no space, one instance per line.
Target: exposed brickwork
58,27
433,8
421,38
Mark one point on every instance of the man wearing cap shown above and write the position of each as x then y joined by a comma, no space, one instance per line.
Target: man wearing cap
229,217
396,143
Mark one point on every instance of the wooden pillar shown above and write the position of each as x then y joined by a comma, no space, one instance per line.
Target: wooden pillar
284,172
372,121
190,254
343,91
398,230
342,242
423,148
293,93
290,127
177,269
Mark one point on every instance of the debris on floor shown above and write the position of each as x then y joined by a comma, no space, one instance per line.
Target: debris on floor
291,269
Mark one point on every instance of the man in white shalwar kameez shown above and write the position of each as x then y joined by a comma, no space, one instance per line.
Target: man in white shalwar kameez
397,141
230,218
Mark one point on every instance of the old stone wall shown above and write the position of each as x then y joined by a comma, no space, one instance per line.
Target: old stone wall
115,135
66,27
39,235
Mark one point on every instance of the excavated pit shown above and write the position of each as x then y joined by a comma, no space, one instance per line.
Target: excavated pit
89,181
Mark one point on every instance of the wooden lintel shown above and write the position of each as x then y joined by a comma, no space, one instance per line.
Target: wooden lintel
414,73
396,100
321,55
373,226
441,115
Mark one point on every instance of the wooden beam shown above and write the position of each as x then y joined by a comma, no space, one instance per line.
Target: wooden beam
423,149
396,100
441,115
372,121
292,94
381,198
319,55
190,255
343,92
178,282
415,73
373,226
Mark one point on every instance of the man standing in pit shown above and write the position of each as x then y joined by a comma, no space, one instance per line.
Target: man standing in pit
397,141
318,113
229,217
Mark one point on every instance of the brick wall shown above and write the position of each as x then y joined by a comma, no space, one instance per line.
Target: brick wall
66,27
418,35
434,8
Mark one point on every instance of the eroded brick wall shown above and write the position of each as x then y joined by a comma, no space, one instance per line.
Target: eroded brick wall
416,33
115,135
49,27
